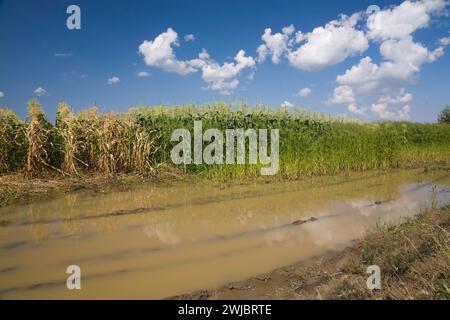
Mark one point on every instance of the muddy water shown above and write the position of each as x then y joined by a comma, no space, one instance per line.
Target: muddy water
157,241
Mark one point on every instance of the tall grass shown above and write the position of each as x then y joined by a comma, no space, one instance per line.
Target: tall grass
139,141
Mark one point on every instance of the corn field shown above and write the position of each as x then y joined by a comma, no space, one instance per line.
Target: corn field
138,141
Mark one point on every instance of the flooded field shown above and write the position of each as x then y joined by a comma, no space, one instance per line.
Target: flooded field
157,241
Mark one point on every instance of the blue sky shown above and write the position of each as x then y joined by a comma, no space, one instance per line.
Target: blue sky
391,64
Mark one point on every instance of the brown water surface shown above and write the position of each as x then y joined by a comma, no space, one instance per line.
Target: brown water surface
157,241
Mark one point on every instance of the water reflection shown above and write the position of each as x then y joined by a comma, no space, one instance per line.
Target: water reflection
156,241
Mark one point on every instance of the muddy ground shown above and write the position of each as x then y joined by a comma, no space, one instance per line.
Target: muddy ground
15,188
414,257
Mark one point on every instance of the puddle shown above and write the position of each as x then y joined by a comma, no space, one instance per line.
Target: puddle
159,241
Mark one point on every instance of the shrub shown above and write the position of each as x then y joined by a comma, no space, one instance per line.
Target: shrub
444,116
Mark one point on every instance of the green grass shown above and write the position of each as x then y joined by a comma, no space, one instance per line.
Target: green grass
139,141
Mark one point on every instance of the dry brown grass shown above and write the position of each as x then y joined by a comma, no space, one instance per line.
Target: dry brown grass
414,259
65,125
84,142
37,136
105,143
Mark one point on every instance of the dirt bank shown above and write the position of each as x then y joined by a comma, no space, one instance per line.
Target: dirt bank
414,259
16,189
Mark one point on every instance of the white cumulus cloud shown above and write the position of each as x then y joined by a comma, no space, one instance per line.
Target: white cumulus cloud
330,45
344,95
113,80
159,53
39,91
402,98
402,61
381,85
402,20
223,78
324,46
143,74
393,106
445,41
274,44
287,104
304,92
189,37
1,94
384,112
369,80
